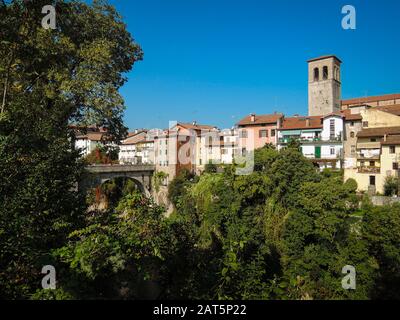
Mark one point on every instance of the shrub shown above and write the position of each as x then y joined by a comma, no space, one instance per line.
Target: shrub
391,186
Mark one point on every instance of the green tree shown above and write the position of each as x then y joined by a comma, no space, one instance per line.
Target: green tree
48,79
381,230
391,186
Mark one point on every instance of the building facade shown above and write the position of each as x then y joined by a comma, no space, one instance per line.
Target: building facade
320,138
255,131
89,138
378,153
138,148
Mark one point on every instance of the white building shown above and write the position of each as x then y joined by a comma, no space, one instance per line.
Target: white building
138,148
320,138
229,147
89,139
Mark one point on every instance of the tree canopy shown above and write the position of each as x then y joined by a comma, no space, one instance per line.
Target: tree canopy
50,79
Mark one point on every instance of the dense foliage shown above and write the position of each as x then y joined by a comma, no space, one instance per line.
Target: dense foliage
48,80
237,237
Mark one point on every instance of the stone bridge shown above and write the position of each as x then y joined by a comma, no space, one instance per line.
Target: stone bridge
98,174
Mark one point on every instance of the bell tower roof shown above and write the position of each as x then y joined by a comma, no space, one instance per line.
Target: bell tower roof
325,57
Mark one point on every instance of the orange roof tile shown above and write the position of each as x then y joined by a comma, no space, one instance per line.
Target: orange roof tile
371,99
138,137
260,119
301,123
350,116
393,109
392,140
195,126
378,132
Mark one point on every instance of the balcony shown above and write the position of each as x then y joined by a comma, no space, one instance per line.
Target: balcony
316,140
368,145
369,169
366,156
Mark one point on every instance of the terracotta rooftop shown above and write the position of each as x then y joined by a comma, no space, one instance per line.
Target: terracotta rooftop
378,132
300,122
138,137
393,109
92,136
195,126
349,116
260,119
131,134
390,140
371,99
338,114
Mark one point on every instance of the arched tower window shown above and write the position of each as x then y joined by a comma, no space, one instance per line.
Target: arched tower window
325,73
316,74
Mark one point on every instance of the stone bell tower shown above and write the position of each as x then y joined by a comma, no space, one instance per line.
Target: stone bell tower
324,86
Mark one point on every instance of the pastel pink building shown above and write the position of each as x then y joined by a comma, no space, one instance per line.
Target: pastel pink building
255,131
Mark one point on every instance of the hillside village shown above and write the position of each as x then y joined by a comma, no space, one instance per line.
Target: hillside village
360,135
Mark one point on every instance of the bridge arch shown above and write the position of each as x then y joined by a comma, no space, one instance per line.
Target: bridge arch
98,174
140,185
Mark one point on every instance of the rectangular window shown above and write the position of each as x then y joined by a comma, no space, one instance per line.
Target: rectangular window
332,151
353,150
263,133
352,124
243,151
332,128
371,180
395,166
243,134
365,124
273,132
392,149
373,140
372,163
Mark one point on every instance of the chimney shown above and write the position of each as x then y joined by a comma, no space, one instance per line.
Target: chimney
307,122
280,122
252,117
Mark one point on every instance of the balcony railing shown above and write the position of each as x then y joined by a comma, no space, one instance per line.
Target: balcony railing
310,140
369,145
363,156
369,169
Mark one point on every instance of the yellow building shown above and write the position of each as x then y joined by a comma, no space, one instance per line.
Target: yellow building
378,155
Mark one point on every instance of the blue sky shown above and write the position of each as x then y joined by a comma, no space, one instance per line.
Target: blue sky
216,61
